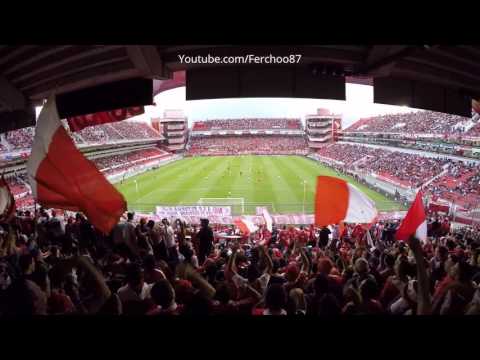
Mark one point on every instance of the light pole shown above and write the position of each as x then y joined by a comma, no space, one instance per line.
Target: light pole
304,194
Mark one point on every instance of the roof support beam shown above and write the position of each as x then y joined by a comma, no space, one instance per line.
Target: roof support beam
148,61
10,97
381,59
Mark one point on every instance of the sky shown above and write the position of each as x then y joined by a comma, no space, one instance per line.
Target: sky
358,104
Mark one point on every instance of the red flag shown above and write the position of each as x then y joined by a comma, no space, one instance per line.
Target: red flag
245,226
336,200
77,123
61,177
7,201
415,222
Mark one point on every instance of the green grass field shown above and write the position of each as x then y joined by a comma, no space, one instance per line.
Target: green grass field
273,181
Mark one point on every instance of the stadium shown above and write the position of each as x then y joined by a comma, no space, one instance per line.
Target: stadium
130,188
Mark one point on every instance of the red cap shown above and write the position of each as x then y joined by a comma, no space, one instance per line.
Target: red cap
277,253
292,271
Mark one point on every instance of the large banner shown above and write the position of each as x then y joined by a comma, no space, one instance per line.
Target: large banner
193,211
78,123
186,213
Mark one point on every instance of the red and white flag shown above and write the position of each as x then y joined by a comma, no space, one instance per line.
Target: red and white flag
7,201
268,219
245,226
61,177
415,222
336,200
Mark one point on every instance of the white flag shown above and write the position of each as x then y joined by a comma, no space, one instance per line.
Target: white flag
268,219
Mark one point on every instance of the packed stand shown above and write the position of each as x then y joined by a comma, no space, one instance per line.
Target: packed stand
411,123
137,157
460,185
17,185
94,134
459,182
134,130
410,169
345,153
60,265
474,131
118,131
248,124
21,138
247,144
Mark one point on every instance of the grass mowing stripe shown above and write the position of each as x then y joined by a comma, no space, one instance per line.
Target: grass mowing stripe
219,183
196,182
284,187
268,189
175,183
152,179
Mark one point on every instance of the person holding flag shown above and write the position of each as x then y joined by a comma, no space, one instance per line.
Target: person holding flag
62,177
414,223
413,230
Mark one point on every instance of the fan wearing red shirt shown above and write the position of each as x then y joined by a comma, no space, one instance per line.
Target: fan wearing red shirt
283,237
445,226
358,234
302,237
258,236
267,236
292,236
312,240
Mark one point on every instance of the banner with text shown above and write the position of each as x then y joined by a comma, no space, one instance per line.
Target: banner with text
199,210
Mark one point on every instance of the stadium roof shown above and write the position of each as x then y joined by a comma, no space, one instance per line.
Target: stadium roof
30,73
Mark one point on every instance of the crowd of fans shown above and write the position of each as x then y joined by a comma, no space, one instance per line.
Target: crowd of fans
248,144
412,170
60,265
460,182
118,131
17,184
248,124
119,161
96,134
346,153
460,185
21,139
411,123
135,130
474,130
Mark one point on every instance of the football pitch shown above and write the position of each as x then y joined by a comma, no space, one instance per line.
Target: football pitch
285,184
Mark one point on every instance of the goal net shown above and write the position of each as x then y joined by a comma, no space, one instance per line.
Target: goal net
237,204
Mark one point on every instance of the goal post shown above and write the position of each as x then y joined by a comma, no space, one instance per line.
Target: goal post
237,204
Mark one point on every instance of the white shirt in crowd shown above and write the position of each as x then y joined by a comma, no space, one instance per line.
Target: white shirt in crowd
169,237
126,293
